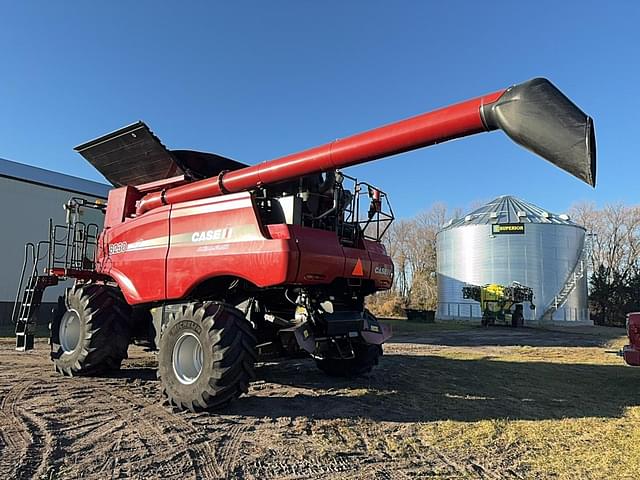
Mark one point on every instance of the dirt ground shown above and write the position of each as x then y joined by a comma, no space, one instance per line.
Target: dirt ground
462,403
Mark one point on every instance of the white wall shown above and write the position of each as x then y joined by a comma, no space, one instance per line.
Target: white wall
25,210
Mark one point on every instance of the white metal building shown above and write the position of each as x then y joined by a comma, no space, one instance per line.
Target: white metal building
29,197
510,240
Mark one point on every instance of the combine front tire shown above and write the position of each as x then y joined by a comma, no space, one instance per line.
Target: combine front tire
206,358
91,333
365,358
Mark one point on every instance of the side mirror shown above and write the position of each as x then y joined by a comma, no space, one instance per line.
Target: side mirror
376,203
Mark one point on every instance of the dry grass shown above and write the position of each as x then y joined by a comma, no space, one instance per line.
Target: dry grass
522,411
586,420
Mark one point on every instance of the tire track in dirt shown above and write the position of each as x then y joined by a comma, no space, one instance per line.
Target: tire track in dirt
295,469
151,439
82,424
14,432
152,447
288,428
202,454
204,459
182,437
131,412
27,435
44,444
230,447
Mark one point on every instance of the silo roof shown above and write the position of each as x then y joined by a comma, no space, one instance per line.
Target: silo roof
509,209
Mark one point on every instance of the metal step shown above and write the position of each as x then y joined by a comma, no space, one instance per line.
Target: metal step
24,341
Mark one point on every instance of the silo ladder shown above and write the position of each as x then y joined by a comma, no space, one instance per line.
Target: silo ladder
574,277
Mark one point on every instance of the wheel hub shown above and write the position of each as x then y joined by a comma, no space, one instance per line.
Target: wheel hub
69,332
187,358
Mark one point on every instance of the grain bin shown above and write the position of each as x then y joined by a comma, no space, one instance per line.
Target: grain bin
510,240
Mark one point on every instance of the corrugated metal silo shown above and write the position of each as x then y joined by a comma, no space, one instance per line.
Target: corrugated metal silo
511,240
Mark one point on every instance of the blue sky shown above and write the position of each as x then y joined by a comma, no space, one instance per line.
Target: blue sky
256,80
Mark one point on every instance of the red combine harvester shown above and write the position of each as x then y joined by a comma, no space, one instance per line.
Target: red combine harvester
215,262
631,352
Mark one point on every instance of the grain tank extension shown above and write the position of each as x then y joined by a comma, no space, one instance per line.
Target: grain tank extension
216,263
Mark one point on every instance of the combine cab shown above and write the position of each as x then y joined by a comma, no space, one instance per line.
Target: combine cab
214,262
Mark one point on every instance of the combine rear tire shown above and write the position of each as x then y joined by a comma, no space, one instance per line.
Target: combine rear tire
206,358
90,331
365,358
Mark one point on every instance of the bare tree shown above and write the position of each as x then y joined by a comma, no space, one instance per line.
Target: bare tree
615,236
412,246
614,262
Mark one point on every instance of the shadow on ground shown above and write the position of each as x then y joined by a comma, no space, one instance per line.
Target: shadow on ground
423,388
507,336
429,388
144,374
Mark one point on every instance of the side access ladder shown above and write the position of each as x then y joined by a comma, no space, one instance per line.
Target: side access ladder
26,308
68,253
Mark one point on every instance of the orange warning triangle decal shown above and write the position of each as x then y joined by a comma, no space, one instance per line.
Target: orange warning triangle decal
357,270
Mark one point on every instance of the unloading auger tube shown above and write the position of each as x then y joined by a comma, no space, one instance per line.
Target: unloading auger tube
534,114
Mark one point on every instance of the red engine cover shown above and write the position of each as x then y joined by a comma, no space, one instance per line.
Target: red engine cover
167,252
